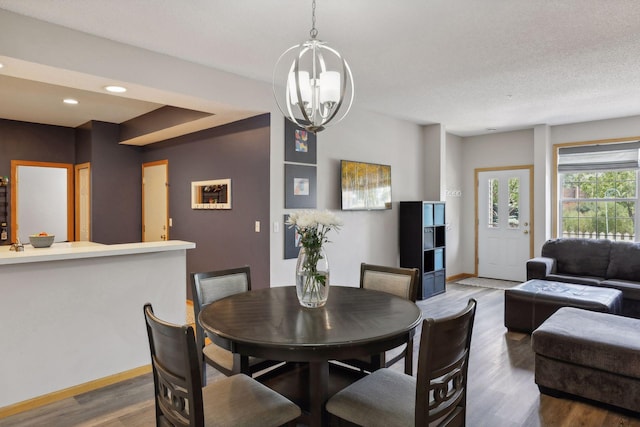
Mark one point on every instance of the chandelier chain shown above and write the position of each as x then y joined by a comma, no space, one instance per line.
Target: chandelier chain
314,31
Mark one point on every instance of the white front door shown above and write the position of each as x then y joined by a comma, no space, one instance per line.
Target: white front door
155,196
504,223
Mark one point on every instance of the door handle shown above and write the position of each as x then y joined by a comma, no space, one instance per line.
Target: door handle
526,231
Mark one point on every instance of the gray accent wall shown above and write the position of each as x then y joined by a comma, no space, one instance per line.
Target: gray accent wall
224,238
116,187
35,142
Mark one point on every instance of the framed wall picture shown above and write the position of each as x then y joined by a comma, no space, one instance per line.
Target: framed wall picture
299,144
300,186
291,240
365,186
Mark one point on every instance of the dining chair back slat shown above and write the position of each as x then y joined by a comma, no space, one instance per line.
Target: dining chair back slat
443,364
401,282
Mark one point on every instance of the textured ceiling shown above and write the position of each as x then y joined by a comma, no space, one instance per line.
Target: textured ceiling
468,64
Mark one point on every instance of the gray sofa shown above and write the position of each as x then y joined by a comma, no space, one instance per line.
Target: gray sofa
603,263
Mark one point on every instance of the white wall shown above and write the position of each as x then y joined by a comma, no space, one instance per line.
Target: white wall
59,342
454,198
625,127
367,236
434,137
486,151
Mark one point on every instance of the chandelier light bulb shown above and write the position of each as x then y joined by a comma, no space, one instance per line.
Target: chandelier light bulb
329,87
303,83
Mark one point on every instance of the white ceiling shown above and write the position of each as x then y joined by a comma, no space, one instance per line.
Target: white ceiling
468,64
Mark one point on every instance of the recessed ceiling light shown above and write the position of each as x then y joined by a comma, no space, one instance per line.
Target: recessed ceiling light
115,89
70,101
492,129
1,65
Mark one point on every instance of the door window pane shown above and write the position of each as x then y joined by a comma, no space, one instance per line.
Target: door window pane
492,217
514,202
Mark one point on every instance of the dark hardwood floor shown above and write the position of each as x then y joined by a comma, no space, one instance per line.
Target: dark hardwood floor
501,387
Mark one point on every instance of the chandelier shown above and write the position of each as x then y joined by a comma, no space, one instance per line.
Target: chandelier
317,80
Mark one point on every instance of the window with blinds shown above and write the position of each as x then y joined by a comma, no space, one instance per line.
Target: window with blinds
598,191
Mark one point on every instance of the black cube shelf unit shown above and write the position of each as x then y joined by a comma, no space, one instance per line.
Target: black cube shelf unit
422,244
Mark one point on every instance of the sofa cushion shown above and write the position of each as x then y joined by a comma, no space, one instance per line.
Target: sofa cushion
580,257
624,261
630,290
581,280
603,341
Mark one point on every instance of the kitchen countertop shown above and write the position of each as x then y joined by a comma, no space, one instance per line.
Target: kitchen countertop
78,250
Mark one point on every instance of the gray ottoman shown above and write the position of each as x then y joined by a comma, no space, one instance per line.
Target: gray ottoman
529,304
591,355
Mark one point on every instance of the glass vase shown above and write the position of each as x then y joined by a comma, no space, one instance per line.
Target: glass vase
312,277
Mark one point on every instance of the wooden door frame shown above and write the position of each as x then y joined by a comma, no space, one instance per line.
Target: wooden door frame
14,196
476,184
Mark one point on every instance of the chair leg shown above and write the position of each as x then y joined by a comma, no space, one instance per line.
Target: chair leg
377,361
203,371
408,358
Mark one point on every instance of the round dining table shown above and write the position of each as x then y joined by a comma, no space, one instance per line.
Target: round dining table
271,324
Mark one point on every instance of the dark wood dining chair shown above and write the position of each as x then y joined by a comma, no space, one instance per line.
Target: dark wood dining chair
402,282
206,288
180,399
437,396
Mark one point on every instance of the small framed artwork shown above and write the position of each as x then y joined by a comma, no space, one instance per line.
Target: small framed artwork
300,186
299,144
212,194
291,240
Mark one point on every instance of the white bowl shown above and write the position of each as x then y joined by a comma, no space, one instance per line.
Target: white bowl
41,241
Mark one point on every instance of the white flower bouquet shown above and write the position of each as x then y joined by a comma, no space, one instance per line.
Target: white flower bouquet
312,228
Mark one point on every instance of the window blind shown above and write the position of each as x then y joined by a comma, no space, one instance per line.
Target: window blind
599,157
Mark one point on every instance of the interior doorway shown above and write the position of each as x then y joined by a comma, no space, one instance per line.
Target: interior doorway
155,201
504,226
41,200
83,202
